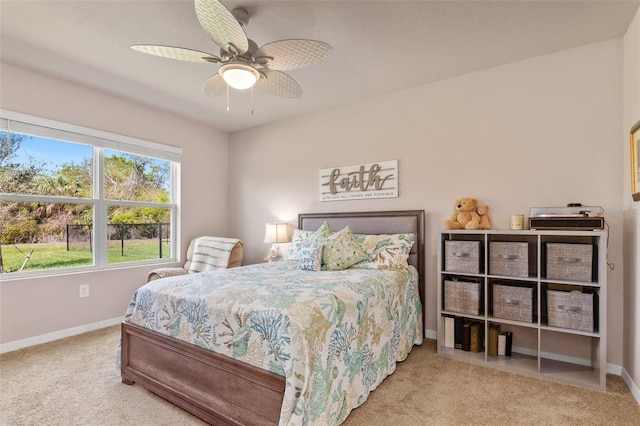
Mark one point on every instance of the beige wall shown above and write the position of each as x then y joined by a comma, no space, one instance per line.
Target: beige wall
39,306
631,319
540,132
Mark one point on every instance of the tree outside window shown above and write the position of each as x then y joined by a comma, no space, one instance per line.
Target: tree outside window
49,202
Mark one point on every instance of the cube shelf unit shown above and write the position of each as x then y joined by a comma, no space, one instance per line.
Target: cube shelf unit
560,351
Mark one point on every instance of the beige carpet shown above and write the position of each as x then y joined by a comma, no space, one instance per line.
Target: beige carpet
73,382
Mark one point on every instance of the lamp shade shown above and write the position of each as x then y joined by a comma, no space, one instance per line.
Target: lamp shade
239,76
276,233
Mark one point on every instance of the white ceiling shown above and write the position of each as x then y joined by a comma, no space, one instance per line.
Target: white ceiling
378,46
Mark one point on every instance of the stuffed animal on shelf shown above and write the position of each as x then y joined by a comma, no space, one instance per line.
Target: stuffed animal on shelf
465,216
483,212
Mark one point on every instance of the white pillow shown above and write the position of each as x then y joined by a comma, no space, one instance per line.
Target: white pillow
310,257
301,236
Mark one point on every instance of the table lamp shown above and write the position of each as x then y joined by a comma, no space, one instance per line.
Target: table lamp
277,234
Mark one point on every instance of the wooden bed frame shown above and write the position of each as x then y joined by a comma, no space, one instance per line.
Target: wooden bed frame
221,390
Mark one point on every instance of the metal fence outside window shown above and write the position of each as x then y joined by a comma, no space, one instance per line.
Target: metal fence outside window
80,237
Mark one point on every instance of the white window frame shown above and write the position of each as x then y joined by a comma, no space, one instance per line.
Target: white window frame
100,140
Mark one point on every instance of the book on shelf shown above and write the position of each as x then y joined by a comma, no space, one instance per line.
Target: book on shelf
494,332
466,336
449,332
458,323
502,342
477,337
508,342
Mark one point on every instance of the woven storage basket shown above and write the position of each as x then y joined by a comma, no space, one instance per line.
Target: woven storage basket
569,261
513,302
462,256
571,309
507,258
463,297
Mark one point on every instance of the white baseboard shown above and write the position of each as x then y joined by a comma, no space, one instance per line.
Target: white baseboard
50,337
614,369
611,368
632,386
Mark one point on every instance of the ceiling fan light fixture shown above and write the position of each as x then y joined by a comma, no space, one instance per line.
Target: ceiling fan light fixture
239,76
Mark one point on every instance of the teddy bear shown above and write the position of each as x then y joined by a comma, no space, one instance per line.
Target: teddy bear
465,216
483,212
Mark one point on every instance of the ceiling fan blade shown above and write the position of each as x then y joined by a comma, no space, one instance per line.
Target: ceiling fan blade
279,84
221,26
214,86
179,53
291,54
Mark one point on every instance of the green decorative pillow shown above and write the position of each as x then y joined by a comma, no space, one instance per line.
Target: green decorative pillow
301,236
341,250
385,251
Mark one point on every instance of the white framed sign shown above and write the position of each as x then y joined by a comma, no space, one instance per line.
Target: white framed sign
363,181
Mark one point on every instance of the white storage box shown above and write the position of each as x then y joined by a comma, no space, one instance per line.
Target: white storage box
509,258
463,297
570,309
571,262
513,302
462,256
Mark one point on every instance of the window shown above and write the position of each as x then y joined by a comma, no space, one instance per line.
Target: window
72,197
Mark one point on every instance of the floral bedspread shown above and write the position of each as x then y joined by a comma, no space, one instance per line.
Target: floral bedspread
334,335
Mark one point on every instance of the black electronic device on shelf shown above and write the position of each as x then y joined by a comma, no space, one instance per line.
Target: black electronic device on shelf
575,216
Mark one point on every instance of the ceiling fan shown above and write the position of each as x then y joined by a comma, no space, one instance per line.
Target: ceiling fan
244,64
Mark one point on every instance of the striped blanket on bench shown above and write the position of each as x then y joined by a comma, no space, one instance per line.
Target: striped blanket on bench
211,253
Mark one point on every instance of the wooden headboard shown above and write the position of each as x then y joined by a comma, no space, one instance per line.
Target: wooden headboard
384,222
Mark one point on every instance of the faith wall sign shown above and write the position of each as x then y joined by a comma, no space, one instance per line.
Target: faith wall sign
363,181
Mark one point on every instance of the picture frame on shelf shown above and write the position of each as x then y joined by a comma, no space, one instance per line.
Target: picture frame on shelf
635,161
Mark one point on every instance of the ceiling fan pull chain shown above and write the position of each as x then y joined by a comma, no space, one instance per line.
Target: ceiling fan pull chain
227,98
251,100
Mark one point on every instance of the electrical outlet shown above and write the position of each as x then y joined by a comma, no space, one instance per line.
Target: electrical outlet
84,290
